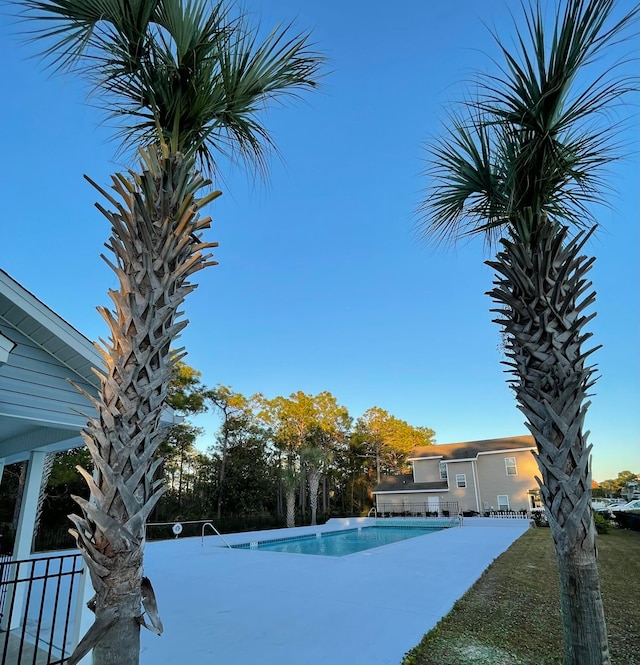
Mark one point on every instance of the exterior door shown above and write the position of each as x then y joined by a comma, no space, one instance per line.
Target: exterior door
434,504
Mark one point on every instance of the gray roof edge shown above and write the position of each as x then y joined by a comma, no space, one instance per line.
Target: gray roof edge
33,307
509,441
45,316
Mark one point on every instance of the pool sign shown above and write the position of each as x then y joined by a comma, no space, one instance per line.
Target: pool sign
177,529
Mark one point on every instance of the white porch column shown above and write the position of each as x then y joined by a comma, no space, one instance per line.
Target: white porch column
24,533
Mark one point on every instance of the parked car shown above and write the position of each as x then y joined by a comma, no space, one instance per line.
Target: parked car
601,506
632,505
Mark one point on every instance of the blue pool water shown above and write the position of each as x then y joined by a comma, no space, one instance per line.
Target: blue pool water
341,543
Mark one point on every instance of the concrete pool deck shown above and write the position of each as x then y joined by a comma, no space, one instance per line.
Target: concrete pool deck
243,607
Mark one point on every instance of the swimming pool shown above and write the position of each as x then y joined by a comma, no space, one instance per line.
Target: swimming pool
344,542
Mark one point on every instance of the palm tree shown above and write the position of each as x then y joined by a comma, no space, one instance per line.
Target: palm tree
522,166
290,481
186,82
315,459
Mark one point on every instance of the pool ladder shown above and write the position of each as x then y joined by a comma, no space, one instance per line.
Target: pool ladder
216,532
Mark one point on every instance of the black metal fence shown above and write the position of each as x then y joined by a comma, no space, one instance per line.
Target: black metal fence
37,605
422,509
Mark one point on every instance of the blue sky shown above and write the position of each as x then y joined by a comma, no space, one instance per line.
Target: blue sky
322,283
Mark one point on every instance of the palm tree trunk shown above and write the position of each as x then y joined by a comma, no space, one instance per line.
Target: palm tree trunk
223,464
290,494
325,497
314,483
156,241
541,290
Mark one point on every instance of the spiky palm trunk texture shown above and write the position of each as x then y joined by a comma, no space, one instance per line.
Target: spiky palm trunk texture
314,485
290,494
156,240
542,290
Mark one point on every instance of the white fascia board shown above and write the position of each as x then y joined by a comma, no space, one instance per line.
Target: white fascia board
464,459
471,459
409,491
503,452
448,461
38,311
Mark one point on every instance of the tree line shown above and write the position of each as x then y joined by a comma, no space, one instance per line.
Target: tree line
285,460
617,487
285,457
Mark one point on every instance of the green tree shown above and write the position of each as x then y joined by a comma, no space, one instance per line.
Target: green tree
389,440
354,464
180,457
304,421
187,82
251,476
186,396
615,486
185,392
521,165
235,409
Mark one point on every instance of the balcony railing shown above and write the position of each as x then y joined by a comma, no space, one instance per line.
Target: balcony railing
421,509
37,604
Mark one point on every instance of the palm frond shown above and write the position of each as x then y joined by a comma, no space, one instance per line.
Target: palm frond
185,73
548,124
467,188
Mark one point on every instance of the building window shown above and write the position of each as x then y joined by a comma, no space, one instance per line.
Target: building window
443,471
510,466
503,502
461,479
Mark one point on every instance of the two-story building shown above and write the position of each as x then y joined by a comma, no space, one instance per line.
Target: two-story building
477,476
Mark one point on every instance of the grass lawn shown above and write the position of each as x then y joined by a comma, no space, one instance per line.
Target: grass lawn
511,615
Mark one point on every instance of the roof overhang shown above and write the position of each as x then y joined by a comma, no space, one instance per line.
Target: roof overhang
473,459
20,308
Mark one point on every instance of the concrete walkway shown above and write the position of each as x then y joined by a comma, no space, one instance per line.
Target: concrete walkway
249,607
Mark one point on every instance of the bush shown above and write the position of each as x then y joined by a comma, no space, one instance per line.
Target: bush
602,523
539,518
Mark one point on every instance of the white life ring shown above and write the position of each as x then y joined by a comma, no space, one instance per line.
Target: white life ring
177,529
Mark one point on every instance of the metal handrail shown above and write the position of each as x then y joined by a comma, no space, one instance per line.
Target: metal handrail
375,512
216,532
